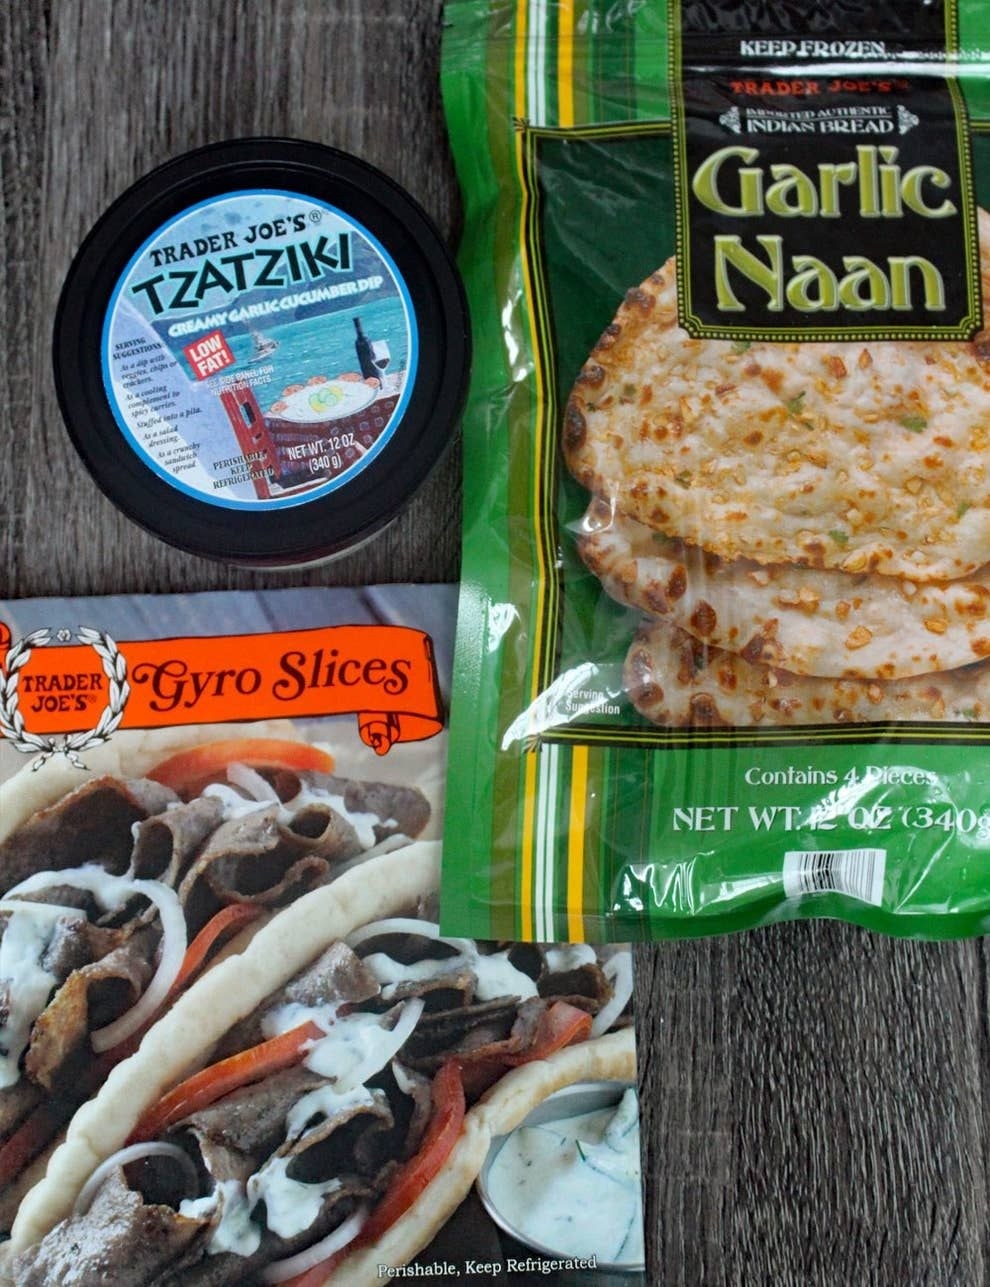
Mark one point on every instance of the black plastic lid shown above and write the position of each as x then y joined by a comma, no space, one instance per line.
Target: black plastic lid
141,439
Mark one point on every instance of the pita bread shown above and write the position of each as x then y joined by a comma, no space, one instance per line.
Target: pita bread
803,620
858,456
610,1058
676,681
182,1041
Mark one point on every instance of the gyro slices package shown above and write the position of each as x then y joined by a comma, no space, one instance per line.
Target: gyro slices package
234,1046
724,631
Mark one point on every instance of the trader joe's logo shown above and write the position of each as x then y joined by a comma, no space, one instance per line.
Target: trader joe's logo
56,698
61,691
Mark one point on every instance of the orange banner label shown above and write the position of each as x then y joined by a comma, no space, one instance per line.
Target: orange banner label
74,683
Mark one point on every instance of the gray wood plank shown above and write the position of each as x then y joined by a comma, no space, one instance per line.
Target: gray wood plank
816,1098
816,1103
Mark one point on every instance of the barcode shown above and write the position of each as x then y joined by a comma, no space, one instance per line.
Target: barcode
856,872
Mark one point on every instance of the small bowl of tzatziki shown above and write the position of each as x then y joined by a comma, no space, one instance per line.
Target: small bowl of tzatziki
567,1181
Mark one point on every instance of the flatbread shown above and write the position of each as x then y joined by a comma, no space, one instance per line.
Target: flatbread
183,1039
676,681
860,456
805,620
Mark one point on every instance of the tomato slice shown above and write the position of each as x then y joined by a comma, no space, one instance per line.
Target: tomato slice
560,1025
233,916
441,1135
34,1134
210,1084
411,1179
187,772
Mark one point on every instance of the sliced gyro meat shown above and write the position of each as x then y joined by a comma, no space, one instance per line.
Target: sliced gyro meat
165,843
90,825
120,1241
398,809
90,998
257,858
472,1032
574,973
340,1140
252,1120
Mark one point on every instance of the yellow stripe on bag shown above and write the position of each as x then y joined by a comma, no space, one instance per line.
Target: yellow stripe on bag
579,754
521,33
575,844
565,63
528,856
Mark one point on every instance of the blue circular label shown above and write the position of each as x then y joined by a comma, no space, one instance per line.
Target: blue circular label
259,350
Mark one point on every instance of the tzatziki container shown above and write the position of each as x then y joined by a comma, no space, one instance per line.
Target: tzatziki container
261,351
567,1181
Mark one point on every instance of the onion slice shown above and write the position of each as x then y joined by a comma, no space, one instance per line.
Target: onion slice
404,1079
113,892
406,925
133,1153
393,925
619,972
251,781
281,1271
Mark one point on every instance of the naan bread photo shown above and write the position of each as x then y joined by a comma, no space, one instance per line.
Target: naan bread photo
861,456
805,526
677,681
808,621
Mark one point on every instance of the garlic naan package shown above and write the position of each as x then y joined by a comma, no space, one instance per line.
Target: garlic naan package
724,632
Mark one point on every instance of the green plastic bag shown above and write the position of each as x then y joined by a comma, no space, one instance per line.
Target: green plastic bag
724,615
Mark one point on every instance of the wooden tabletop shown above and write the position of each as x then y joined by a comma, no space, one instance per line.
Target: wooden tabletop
816,1097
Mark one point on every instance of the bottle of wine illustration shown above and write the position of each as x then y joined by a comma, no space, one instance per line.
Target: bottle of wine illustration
365,357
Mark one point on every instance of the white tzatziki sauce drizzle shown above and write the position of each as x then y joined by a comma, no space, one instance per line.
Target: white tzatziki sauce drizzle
494,973
354,1048
23,976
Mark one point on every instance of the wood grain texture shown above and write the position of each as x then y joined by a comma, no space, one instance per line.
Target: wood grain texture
100,92
816,1102
816,1098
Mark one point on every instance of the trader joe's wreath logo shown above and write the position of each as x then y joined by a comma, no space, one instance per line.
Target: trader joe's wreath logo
12,724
